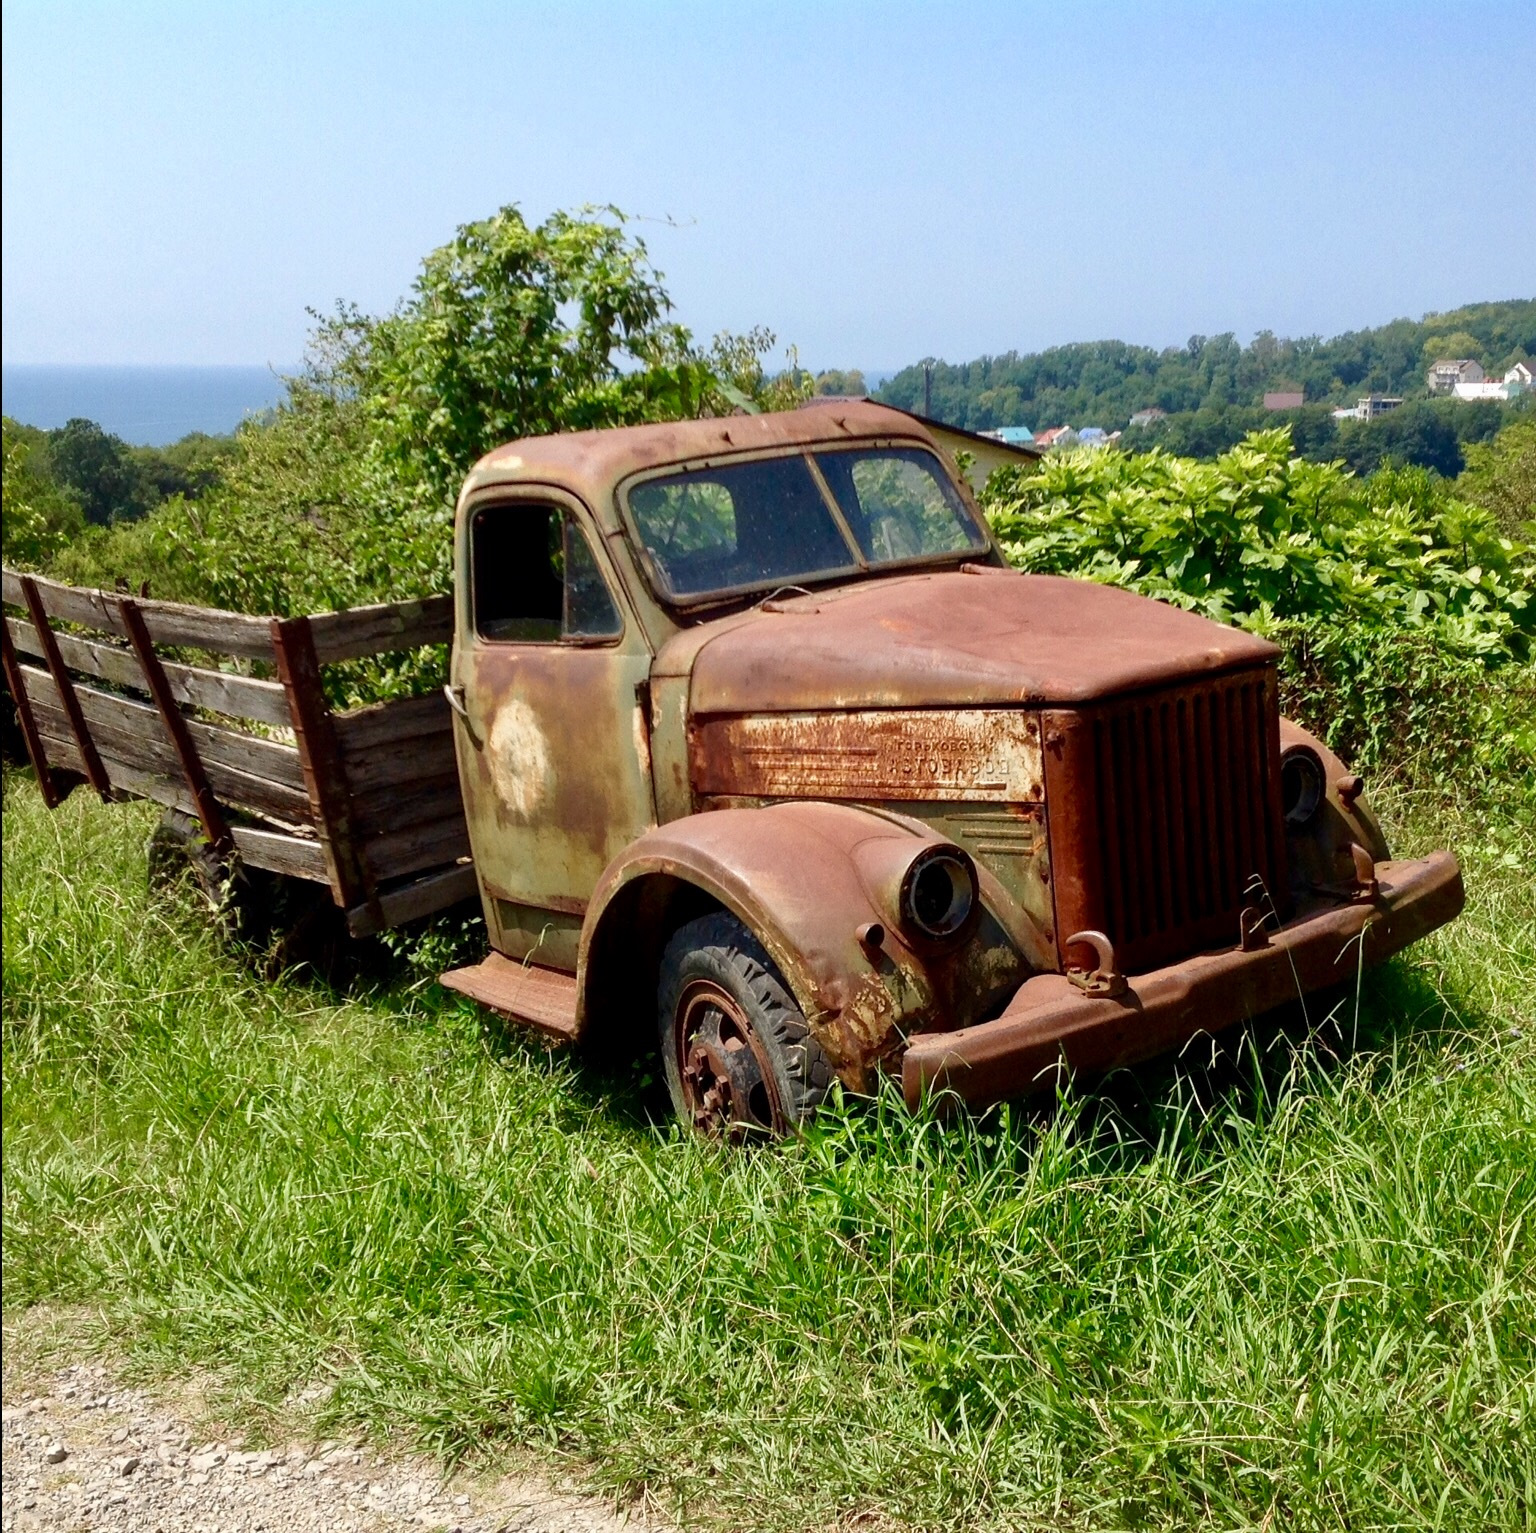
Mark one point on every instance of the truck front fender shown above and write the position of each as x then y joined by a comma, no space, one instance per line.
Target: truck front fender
813,882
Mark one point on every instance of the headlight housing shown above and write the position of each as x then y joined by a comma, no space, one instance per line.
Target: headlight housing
1302,786
938,892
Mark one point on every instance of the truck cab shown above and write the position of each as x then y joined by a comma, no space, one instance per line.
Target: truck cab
768,756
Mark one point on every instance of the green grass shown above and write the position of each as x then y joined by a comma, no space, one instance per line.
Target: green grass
1295,1290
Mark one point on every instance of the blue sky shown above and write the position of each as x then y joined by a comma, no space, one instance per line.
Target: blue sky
875,182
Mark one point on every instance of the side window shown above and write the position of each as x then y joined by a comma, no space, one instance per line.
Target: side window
534,578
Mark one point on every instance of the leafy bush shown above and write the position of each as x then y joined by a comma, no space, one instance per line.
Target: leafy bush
1395,602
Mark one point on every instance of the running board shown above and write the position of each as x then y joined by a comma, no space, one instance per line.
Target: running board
542,998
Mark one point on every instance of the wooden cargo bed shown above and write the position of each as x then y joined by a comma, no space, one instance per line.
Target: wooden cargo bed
365,801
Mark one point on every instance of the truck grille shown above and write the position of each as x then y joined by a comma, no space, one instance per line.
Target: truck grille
1162,810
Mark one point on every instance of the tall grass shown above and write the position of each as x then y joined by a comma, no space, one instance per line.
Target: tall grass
1294,1289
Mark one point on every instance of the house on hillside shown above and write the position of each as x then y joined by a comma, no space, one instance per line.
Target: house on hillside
1368,408
1148,417
1056,436
1449,372
1014,436
1514,383
985,453
1285,399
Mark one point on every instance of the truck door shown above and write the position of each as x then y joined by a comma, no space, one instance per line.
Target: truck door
548,686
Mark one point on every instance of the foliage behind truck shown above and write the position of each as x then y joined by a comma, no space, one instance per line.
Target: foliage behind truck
753,744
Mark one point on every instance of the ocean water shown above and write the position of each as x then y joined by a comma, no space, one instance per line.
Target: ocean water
149,406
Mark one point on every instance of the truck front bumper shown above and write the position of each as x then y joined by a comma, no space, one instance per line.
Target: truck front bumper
1050,1024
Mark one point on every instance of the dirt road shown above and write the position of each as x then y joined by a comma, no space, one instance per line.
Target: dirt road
84,1451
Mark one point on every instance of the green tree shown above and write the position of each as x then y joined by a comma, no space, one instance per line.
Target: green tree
190,467
1455,345
344,495
38,517
1392,597
100,469
1102,383
516,330
1501,475
841,381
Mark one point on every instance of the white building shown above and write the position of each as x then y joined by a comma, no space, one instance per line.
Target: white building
1514,383
1369,407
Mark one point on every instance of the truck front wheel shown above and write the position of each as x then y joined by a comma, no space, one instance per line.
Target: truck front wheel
739,1059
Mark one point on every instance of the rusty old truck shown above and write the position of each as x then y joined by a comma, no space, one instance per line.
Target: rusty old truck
754,746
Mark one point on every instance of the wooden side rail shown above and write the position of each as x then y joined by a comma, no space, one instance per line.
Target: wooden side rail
366,802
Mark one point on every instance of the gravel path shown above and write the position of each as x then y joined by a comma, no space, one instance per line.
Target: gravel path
83,1452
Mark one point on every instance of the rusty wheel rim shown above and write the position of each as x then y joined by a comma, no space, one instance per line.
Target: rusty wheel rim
728,1087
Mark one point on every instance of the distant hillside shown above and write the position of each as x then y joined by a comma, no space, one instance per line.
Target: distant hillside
1101,383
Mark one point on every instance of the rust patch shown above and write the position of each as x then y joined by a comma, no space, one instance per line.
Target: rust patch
962,755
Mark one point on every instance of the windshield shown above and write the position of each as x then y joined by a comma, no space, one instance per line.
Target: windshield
781,521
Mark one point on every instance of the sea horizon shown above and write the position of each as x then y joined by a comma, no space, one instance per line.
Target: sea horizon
146,405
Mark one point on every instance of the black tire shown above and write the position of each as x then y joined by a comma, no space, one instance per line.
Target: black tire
178,852
278,921
740,1061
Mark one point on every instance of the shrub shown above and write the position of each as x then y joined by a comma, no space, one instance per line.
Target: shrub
1395,602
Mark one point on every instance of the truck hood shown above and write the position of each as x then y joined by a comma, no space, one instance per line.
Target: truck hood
974,638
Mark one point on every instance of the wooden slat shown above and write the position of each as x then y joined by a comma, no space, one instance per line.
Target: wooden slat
290,805
419,847
269,760
132,733
245,697
425,896
131,780
63,753
37,752
91,609
292,855
225,633
409,766
401,718
64,685
360,631
382,810
297,856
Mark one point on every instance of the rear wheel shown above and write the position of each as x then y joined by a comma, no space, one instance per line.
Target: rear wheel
278,921
179,852
739,1058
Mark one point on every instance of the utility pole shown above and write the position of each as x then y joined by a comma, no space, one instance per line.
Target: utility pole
928,389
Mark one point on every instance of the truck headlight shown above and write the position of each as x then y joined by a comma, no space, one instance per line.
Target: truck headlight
938,892
1301,785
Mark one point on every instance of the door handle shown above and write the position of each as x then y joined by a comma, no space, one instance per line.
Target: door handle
455,696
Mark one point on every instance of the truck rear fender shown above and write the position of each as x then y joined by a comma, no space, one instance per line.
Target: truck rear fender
818,884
